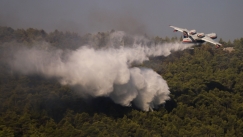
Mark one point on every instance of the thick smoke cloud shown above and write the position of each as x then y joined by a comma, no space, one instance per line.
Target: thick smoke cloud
119,21
81,16
102,72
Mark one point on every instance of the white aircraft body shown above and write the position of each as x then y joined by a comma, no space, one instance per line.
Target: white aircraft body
191,36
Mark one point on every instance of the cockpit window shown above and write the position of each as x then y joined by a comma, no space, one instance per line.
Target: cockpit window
185,35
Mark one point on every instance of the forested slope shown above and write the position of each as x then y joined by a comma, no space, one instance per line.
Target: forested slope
206,94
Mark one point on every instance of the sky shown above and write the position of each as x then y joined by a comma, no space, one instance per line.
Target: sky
150,17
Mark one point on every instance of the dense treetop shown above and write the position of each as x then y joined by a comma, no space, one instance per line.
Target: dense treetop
205,83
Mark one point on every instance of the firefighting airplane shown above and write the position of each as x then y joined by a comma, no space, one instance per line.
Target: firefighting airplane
191,36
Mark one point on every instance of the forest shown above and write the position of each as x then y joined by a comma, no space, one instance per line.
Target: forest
205,84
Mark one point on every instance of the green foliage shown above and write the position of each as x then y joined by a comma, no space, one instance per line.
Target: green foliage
206,95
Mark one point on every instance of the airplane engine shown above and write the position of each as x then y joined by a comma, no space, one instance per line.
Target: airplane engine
200,35
212,35
192,32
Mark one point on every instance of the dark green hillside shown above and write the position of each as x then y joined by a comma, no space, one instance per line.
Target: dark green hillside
206,87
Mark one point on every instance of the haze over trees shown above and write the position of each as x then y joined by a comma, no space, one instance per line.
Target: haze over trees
205,84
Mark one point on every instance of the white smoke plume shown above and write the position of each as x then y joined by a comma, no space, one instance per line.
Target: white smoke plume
103,72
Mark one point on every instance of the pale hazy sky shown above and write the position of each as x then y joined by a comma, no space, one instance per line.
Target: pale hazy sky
151,17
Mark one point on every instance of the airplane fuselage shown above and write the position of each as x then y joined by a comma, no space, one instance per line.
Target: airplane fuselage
191,36
192,39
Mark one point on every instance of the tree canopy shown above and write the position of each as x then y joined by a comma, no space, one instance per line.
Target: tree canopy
205,83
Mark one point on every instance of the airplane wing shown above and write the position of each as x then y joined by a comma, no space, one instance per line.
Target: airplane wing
208,39
179,29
